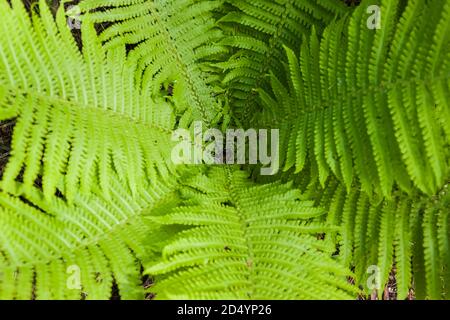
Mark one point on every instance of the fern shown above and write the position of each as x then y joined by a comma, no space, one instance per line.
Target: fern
238,247
90,199
381,233
256,32
172,40
74,112
368,117
55,250
369,102
73,190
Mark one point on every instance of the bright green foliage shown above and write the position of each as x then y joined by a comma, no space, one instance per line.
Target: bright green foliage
89,198
76,111
246,241
172,38
74,188
256,32
370,105
387,234
55,250
370,109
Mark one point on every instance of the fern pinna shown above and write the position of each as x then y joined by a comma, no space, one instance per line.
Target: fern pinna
90,199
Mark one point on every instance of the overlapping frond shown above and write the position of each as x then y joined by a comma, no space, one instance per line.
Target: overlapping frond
364,137
246,241
370,104
52,250
90,152
256,32
78,114
172,39
408,233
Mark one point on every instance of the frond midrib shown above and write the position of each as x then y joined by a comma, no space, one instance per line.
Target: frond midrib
59,101
87,243
381,87
234,196
181,64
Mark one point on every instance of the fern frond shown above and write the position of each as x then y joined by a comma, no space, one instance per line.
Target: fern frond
408,233
246,241
79,114
89,197
371,99
435,244
55,250
173,41
257,31
403,254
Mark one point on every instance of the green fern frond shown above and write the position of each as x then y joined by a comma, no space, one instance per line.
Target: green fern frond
246,241
173,41
76,113
55,250
371,100
408,233
402,249
257,31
